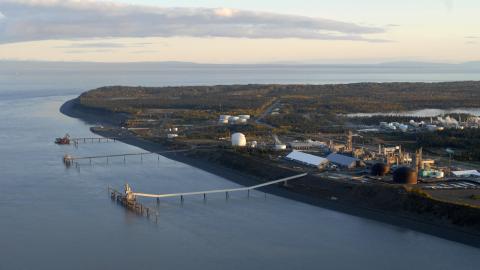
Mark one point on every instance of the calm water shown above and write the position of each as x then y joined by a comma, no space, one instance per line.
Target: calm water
57,218
42,79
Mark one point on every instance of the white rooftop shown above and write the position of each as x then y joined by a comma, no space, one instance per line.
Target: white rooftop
341,159
467,173
307,158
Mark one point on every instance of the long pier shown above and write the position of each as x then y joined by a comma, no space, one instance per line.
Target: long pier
71,159
93,139
226,191
128,198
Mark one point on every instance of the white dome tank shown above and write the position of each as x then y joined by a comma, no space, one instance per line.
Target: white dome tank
238,139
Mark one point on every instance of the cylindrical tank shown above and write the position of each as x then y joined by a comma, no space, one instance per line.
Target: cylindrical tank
380,169
233,120
223,119
239,140
405,175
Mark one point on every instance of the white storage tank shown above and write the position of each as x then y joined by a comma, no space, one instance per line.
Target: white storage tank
223,119
244,116
239,140
233,120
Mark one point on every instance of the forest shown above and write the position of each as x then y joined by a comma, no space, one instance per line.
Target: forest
305,108
465,142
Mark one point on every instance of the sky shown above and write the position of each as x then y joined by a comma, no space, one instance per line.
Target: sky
246,31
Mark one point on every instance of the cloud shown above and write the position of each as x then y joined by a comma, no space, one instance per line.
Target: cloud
30,20
103,45
95,45
88,51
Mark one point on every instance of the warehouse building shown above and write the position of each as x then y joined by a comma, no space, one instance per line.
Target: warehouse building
307,159
467,173
343,161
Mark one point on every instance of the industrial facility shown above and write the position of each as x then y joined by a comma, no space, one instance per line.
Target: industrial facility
438,124
364,153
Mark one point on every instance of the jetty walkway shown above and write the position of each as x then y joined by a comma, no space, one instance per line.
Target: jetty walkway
226,191
128,198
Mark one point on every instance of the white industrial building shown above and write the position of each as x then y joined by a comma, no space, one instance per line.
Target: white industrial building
342,160
468,173
307,159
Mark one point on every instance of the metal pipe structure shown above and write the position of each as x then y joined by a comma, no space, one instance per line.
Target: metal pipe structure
226,191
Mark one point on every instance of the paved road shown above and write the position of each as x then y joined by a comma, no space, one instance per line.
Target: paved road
267,111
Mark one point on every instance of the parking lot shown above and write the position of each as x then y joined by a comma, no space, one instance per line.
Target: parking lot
452,185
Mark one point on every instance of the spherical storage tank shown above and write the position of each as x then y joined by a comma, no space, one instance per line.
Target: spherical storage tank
405,175
380,169
238,139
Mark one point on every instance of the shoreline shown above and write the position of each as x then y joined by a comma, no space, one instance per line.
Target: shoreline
449,232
